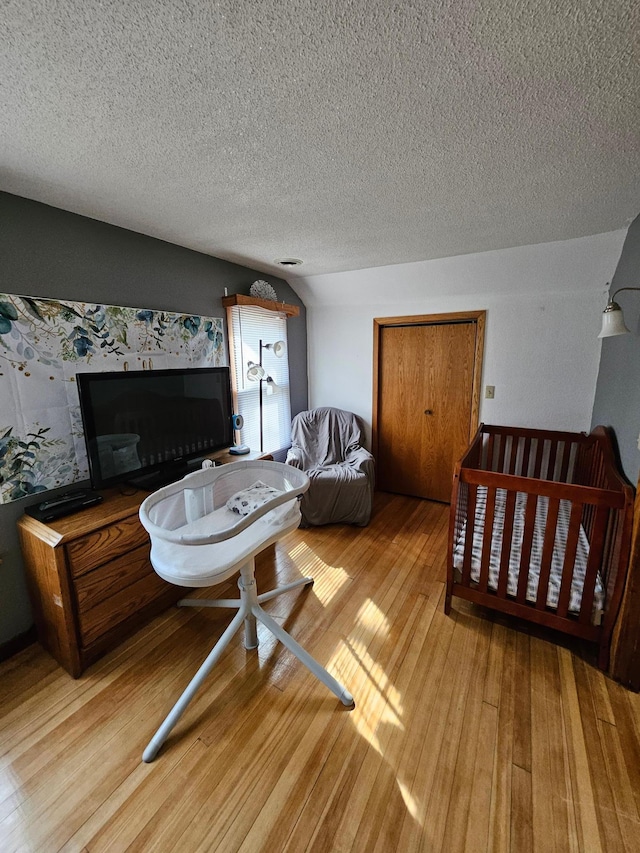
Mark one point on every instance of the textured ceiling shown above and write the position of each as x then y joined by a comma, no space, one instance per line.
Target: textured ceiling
348,134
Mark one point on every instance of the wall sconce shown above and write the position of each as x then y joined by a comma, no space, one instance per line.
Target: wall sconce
257,373
612,319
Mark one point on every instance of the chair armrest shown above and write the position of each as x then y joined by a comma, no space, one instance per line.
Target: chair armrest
294,457
360,458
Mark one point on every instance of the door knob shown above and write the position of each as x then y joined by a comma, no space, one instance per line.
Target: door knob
428,411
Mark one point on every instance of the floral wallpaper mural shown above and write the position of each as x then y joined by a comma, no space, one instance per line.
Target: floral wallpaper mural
44,343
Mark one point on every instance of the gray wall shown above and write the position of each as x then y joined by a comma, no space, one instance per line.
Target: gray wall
617,401
52,253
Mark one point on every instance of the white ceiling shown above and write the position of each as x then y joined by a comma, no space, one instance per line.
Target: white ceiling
350,134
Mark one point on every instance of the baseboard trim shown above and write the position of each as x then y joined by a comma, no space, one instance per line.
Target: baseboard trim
18,643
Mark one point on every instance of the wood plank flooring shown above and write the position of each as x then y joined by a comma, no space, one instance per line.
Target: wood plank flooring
468,734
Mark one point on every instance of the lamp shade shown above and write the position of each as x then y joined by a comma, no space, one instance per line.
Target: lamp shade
255,372
612,321
278,349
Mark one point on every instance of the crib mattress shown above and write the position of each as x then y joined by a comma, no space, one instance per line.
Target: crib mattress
555,577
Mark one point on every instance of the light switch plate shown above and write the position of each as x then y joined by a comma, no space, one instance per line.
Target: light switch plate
489,391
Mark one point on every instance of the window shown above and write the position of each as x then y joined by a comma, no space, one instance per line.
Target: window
247,327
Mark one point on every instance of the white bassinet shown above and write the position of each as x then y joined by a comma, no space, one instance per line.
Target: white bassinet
210,526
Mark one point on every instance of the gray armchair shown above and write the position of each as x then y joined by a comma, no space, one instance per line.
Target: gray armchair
326,445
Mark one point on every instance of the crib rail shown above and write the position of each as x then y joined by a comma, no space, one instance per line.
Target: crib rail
544,455
571,473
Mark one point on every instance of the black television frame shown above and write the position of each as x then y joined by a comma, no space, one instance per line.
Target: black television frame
151,476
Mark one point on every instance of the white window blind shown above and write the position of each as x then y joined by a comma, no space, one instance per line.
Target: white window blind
249,326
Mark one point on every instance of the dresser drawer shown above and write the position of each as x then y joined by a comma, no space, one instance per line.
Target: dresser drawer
116,610
115,591
108,579
104,544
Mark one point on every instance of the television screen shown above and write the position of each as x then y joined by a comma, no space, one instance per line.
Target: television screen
143,426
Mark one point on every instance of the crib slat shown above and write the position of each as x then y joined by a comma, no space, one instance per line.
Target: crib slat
538,462
507,533
524,471
583,462
585,467
551,462
502,447
527,540
574,453
564,464
571,548
587,519
596,546
595,469
593,463
512,457
547,552
609,552
468,539
490,444
487,538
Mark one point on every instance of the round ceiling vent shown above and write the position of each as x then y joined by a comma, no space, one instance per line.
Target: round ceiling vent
288,262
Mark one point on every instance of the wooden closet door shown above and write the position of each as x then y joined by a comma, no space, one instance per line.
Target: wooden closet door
425,391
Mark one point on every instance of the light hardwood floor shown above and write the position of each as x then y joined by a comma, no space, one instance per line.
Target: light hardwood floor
467,733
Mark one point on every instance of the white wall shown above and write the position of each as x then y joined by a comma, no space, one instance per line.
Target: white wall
543,306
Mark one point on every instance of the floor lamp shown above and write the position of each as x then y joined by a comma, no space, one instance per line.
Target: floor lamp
257,373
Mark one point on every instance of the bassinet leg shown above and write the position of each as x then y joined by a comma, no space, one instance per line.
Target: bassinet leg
304,657
181,705
250,632
249,593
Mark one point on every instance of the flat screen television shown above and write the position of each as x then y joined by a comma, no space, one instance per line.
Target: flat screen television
145,426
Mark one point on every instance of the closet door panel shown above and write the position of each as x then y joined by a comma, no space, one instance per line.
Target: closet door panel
425,389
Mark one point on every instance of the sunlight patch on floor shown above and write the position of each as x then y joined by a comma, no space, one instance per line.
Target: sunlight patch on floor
381,699
409,801
378,702
10,784
372,618
327,580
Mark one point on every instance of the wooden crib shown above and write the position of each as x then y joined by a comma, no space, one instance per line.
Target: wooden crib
540,528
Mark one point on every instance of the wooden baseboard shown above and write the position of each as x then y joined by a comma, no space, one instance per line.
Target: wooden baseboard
18,643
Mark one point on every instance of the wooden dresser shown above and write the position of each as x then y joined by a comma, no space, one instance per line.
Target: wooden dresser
90,580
